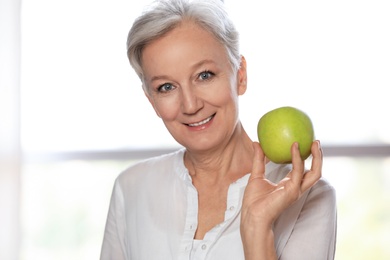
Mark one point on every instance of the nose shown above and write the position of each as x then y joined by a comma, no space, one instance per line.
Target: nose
191,102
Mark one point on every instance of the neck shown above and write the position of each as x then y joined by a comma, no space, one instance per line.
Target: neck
228,162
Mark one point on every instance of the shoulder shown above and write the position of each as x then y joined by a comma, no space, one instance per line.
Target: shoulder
156,167
164,160
311,218
322,196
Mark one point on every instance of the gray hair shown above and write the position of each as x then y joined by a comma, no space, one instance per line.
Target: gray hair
164,15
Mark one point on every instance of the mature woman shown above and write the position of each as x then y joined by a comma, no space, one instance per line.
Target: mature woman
218,197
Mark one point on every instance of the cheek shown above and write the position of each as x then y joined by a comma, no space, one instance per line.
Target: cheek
226,92
166,108
229,102
224,96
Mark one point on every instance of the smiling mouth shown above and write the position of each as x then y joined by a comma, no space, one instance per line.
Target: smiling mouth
205,121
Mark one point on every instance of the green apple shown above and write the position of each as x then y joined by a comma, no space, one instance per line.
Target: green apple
278,129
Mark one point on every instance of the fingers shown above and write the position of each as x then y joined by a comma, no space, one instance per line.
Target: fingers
301,180
305,180
258,168
315,172
297,164
316,151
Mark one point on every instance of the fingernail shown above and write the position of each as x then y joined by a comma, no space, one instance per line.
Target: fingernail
319,144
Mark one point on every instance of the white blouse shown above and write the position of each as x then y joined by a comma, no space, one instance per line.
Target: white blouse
154,208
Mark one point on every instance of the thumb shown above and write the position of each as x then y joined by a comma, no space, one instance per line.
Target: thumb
258,168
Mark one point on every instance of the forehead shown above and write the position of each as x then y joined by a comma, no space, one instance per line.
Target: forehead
183,47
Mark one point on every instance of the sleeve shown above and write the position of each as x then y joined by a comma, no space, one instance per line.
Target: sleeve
314,232
113,247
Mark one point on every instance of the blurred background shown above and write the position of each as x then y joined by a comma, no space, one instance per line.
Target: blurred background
73,114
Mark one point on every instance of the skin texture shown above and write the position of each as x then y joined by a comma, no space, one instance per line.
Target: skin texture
178,59
264,201
193,89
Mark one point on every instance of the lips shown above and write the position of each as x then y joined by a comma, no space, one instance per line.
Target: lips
205,121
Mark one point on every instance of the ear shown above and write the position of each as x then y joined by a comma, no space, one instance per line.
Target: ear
151,101
242,77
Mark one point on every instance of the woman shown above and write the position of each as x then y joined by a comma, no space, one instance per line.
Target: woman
218,197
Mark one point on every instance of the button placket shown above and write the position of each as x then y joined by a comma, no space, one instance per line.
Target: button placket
191,222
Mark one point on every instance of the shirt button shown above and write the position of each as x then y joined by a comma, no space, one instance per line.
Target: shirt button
232,208
204,247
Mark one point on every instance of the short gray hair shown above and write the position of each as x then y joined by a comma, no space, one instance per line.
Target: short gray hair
164,15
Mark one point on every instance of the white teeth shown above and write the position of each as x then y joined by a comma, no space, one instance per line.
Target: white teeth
202,122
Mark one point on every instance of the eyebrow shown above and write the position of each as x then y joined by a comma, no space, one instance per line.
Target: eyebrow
155,78
202,62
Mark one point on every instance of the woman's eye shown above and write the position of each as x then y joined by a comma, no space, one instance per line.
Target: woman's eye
205,75
165,87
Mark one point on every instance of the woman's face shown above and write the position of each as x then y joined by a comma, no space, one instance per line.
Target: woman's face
191,86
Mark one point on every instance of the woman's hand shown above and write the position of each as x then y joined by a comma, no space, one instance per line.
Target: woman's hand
264,201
